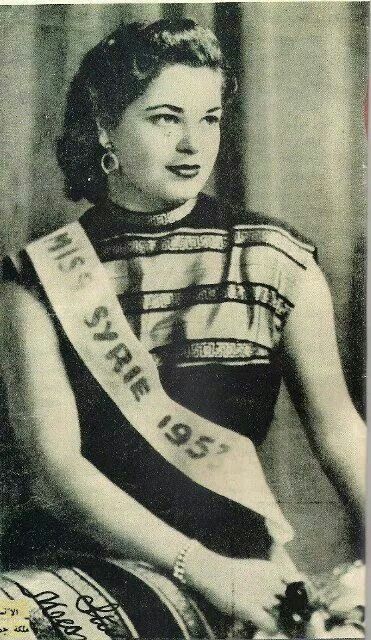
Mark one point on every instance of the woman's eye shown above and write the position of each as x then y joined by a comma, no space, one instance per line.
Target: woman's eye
165,118
212,119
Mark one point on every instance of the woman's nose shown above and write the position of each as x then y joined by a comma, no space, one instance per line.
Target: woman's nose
189,141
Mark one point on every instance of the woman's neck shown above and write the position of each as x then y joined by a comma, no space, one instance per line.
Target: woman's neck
132,199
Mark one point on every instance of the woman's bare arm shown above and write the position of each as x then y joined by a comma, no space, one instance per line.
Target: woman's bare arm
316,382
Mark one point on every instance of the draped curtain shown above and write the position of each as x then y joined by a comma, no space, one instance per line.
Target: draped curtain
294,147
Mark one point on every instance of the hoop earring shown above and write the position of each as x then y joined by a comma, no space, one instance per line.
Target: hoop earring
109,162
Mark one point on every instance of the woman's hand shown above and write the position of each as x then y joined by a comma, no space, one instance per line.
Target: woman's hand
248,590
255,588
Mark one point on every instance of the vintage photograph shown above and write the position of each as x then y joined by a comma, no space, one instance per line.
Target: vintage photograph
183,204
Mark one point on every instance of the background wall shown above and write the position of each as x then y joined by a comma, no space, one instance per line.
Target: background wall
294,148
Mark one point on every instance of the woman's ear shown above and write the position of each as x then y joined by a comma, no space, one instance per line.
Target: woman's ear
103,136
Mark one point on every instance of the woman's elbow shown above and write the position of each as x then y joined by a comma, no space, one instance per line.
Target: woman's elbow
340,446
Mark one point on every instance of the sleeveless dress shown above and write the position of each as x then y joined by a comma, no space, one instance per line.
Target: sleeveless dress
208,295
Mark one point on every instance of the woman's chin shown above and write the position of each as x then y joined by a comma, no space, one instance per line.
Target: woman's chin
187,190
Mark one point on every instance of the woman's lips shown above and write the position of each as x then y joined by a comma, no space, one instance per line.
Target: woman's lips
185,170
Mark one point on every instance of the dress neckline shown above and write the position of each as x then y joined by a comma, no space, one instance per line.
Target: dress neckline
148,219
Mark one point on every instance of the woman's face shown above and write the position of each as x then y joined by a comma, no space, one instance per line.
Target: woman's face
168,138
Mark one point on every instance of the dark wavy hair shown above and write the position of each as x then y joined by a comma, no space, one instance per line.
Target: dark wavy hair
111,76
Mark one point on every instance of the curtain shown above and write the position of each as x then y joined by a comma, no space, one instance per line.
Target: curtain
294,147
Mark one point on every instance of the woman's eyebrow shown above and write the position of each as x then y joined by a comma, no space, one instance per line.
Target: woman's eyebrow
172,107
165,106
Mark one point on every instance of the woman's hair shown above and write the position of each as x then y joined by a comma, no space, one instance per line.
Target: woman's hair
111,76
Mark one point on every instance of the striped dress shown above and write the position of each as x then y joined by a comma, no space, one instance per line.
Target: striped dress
208,294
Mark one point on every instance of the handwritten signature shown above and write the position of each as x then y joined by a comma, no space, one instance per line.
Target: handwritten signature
54,609
99,616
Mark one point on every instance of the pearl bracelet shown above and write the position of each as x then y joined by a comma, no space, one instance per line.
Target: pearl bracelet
179,564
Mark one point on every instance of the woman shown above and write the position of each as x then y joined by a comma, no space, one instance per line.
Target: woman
224,301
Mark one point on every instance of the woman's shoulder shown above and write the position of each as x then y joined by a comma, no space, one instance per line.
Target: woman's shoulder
20,289
25,320
251,227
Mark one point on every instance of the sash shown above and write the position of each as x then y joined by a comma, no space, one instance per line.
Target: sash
216,458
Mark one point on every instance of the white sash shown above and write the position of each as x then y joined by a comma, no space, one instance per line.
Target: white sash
80,292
